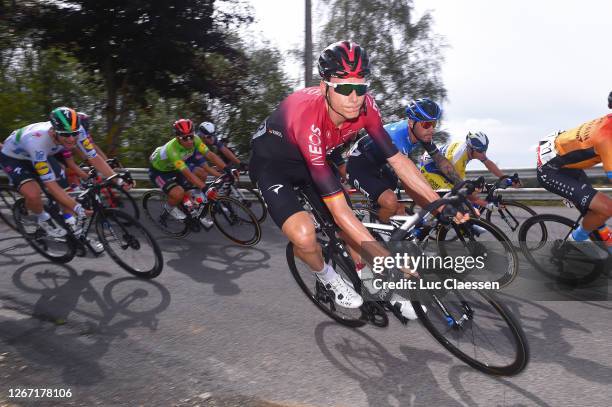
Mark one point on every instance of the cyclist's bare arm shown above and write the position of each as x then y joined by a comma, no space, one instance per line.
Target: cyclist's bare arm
446,167
70,163
100,152
493,168
230,156
210,170
215,159
60,196
412,178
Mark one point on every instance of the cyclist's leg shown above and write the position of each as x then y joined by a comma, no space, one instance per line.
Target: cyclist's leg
168,182
365,176
574,185
21,173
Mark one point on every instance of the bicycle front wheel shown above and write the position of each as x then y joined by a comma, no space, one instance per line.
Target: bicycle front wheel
115,197
129,243
476,328
234,220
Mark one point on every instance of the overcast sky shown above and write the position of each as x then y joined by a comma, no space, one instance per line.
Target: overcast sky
515,70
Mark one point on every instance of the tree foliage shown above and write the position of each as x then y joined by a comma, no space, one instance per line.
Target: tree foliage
138,46
405,54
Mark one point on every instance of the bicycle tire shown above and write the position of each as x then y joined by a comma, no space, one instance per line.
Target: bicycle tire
257,206
316,296
159,217
521,348
67,248
128,241
8,197
508,221
223,213
511,270
560,257
125,202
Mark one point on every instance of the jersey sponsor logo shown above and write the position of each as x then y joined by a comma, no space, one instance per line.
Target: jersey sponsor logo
39,156
275,188
42,168
314,146
87,144
272,131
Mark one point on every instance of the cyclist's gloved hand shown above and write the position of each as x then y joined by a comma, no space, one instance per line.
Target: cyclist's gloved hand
79,211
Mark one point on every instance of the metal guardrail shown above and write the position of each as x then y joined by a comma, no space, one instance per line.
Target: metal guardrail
524,173
525,194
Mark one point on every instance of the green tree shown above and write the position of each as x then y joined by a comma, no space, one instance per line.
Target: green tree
405,54
138,46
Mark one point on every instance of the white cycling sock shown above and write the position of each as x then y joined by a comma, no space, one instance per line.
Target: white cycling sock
327,274
43,216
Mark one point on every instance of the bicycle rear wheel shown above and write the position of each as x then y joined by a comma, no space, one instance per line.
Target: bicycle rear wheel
8,197
318,294
154,203
476,328
234,221
485,241
510,219
542,240
59,250
129,243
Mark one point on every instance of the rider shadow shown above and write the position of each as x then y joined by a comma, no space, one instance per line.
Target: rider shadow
14,250
545,330
386,380
219,265
79,333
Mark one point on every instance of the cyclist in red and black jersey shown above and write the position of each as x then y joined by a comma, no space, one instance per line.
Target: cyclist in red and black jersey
291,146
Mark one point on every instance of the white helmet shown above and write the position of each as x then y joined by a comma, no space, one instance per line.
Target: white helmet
478,141
206,128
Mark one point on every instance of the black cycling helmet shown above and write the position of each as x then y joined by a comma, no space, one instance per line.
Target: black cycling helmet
64,120
423,110
610,101
344,59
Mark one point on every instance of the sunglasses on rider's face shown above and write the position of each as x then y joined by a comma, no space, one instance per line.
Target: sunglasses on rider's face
186,137
67,134
346,89
427,125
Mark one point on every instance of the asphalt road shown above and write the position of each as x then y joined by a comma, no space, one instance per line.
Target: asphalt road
228,326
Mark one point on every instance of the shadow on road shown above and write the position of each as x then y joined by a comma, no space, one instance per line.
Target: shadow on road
218,265
72,323
386,380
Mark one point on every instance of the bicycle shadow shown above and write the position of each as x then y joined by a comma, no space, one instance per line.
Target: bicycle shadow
218,265
72,324
544,329
14,250
385,379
